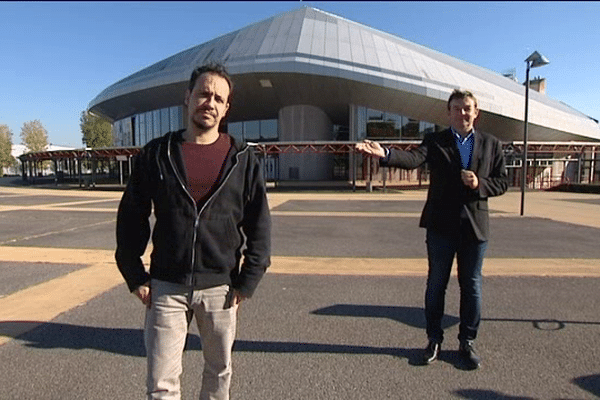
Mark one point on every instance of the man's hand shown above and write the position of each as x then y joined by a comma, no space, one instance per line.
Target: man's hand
237,298
371,148
469,179
143,293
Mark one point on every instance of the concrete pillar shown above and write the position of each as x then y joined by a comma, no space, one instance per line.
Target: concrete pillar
304,123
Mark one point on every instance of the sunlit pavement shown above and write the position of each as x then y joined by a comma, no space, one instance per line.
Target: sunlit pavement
338,316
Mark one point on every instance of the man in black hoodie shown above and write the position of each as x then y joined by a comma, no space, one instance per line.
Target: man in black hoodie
211,238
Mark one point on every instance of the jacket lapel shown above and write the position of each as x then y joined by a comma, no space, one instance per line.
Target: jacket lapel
176,152
451,149
476,155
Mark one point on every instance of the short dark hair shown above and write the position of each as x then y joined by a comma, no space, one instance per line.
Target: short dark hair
462,94
211,68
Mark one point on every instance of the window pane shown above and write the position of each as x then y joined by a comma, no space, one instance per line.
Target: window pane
149,126
374,115
137,130
235,129
142,118
252,130
176,118
117,133
156,118
268,129
383,125
165,125
426,127
127,139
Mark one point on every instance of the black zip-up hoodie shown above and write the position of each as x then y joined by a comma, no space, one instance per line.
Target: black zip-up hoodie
200,247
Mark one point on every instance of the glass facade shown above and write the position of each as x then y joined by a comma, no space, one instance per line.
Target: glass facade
384,125
370,123
254,131
364,123
142,128
373,124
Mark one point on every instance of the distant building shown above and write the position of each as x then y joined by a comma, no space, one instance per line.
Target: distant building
538,84
20,149
308,75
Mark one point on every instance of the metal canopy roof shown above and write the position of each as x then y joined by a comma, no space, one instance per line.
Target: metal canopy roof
317,58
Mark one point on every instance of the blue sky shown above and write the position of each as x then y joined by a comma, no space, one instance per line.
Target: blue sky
55,57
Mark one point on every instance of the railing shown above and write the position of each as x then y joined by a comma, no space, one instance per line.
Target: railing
582,154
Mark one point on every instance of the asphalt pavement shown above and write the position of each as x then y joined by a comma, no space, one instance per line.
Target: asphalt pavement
339,315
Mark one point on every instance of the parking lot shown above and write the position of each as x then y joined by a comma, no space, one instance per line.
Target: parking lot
338,315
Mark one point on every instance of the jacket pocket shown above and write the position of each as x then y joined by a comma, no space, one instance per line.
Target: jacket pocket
219,241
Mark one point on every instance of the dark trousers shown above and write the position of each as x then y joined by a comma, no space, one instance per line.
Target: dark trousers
441,249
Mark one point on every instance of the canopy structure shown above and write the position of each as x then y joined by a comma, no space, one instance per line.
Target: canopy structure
311,57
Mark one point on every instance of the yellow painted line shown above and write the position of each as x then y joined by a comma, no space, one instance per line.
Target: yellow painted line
57,208
62,209
55,255
347,266
44,302
418,266
24,310
27,308
94,196
551,267
344,214
73,229
62,192
80,209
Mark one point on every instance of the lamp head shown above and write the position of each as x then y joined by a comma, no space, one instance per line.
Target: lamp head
537,60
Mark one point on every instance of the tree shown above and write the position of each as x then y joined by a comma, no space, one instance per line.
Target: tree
34,136
6,158
96,131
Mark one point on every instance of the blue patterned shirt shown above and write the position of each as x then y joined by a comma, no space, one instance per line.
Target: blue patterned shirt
465,147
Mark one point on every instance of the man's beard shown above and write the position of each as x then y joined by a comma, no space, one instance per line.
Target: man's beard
203,124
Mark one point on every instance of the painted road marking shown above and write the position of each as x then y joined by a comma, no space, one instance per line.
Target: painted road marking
24,310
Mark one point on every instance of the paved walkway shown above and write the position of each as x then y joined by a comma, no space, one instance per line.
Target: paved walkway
56,257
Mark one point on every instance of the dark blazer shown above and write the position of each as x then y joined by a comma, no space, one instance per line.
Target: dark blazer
448,199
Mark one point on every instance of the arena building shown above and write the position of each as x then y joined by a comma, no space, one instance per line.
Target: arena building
311,76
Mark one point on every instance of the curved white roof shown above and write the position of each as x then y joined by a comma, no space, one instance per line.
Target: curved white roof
313,57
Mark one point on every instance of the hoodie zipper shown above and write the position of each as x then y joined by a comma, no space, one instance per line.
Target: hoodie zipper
160,173
196,212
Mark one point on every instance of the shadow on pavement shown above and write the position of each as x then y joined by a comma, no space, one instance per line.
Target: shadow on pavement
475,394
130,342
415,316
591,383
52,335
411,316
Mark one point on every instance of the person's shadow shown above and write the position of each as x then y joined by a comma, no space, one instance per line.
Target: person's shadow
411,316
130,341
52,335
591,383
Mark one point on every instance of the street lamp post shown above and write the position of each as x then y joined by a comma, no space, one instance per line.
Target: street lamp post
533,61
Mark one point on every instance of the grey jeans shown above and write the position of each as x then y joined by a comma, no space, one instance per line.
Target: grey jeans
167,322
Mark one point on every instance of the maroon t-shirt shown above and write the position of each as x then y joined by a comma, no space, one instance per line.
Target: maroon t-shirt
203,164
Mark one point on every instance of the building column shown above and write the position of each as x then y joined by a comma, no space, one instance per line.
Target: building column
304,123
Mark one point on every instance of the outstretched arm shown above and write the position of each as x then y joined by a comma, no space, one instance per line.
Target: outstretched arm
406,159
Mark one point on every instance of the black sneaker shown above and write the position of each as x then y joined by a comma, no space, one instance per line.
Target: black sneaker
431,353
468,355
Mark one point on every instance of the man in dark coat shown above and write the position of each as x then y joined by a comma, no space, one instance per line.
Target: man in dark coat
466,167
